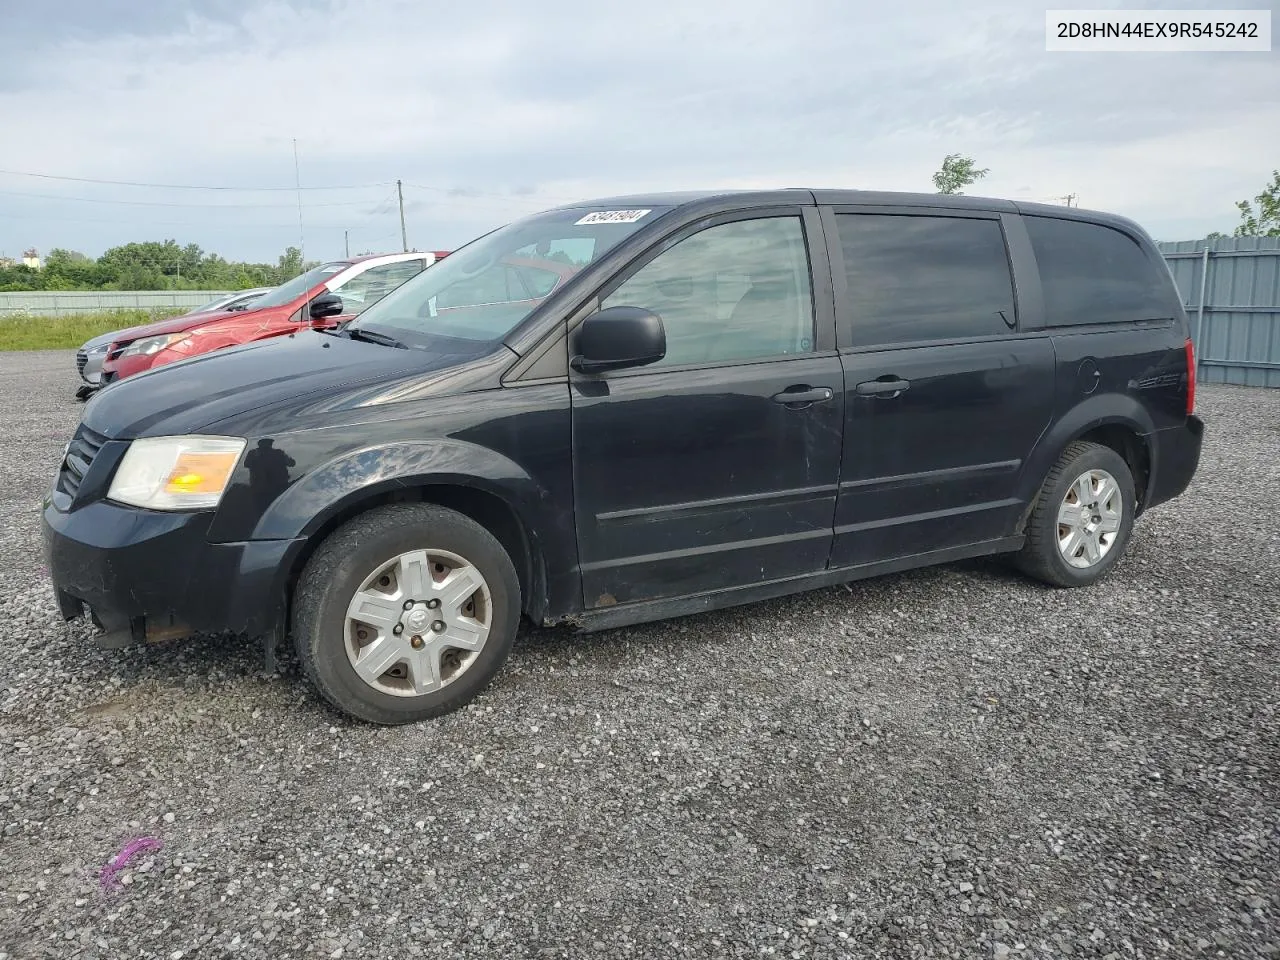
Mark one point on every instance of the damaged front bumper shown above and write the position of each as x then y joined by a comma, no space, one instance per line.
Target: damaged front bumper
148,576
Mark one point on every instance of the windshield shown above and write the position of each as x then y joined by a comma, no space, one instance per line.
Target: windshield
213,304
484,290
288,292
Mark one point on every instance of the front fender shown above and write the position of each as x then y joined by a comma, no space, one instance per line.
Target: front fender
331,489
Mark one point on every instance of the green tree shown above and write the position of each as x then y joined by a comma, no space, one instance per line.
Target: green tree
150,265
957,172
1264,221
69,270
144,262
20,277
290,264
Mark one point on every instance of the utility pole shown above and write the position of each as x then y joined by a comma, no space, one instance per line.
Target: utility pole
346,242
1069,198
404,236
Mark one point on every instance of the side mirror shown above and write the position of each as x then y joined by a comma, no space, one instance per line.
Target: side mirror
325,305
617,338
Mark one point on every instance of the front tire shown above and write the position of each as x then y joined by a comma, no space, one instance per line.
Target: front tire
404,613
1082,520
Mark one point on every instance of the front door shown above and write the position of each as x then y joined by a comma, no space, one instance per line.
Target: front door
718,465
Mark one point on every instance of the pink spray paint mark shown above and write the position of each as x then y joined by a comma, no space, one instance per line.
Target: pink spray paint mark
108,880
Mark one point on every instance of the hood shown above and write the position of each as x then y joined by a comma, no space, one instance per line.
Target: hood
128,333
188,396
186,321
107,339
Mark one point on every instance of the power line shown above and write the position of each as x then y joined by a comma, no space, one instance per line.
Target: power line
171,223
462,194
186,186
179,203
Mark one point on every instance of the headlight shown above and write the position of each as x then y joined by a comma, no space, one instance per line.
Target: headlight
150,345
176,473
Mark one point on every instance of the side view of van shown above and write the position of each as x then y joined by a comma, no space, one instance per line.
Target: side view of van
633,409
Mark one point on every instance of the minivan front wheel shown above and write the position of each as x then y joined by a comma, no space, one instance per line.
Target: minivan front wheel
406,612
1082,519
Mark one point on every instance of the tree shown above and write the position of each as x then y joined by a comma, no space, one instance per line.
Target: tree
957,172
58,256
290,264
150,265
1265,220
68,270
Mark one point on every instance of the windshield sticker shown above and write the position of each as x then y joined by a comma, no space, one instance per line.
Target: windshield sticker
612,216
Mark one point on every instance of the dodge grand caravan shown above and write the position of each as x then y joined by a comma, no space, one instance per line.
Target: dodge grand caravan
634,409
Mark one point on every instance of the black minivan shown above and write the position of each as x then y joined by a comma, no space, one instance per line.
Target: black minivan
632,409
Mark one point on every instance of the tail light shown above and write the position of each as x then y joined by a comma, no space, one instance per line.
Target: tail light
1191,377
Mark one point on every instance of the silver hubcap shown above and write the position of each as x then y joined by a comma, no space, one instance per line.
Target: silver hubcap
1089,518
418,622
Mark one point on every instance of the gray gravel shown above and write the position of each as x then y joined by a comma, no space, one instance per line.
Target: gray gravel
947,763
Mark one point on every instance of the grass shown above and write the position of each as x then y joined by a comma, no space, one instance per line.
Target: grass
25,331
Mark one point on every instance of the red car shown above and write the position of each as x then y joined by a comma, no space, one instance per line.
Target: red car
323,297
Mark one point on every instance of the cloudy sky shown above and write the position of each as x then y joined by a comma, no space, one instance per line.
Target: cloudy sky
487,110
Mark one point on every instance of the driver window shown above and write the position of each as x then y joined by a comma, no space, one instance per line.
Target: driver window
737,291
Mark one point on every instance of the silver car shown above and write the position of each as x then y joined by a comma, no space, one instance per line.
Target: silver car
90,356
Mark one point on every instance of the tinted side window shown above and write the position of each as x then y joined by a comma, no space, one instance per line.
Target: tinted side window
737,291
1093,274
925,278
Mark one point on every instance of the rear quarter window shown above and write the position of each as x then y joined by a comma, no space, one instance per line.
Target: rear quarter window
1092,273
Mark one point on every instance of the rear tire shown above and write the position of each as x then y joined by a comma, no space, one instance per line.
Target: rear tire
1082,519
405,612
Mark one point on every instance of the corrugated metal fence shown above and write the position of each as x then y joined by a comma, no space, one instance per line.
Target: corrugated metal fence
56,303
1231,289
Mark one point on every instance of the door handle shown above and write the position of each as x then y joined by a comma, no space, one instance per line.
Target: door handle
885,387
801,396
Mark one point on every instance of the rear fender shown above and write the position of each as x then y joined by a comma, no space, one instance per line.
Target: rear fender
1093,412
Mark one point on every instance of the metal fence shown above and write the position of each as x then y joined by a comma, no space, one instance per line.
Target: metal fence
1231,289
56,303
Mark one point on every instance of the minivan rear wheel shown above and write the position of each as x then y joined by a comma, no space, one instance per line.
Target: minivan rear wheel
405,612
1082,519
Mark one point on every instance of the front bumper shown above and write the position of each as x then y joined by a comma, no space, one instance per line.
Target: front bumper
89,366
1175,458
150,575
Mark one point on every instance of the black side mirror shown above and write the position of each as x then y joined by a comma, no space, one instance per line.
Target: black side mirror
617,338
325,305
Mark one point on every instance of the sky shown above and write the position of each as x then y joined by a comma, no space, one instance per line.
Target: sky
491,110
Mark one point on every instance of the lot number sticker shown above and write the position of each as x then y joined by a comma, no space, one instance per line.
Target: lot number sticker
613,216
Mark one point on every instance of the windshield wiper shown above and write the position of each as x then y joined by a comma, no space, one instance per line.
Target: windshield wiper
359,333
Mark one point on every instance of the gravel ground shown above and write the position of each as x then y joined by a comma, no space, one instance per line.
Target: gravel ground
948,763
